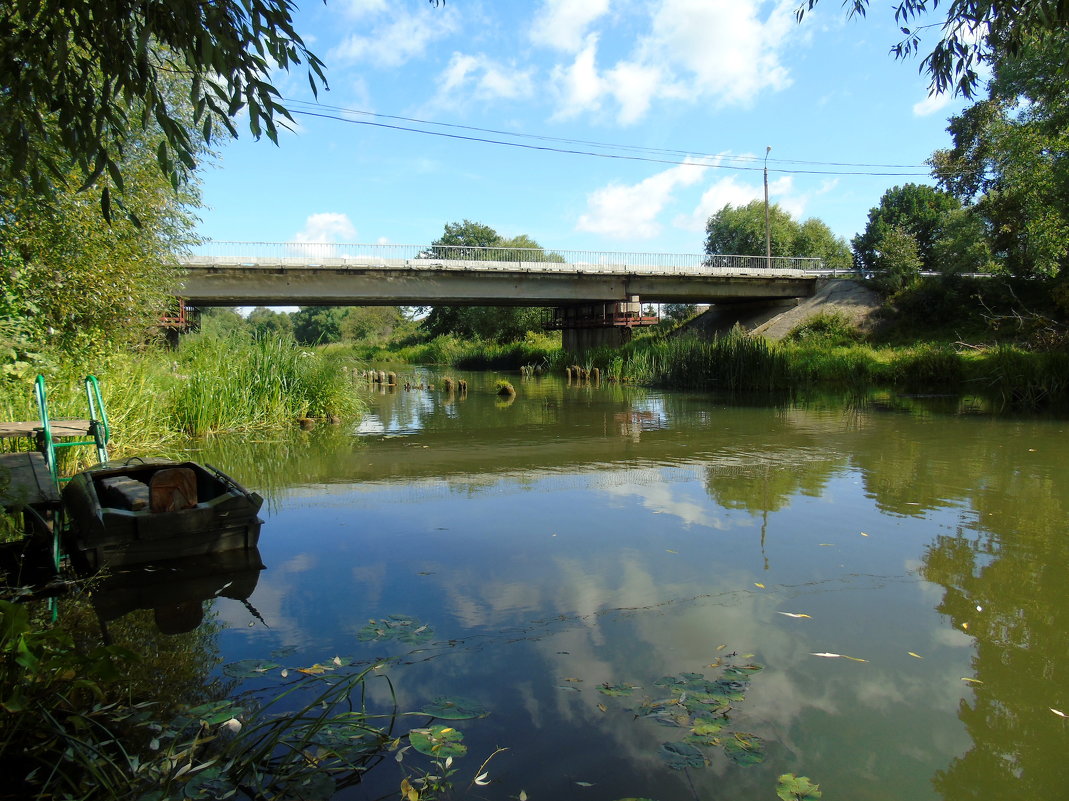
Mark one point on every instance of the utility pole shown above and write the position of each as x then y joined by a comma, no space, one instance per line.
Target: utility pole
768,228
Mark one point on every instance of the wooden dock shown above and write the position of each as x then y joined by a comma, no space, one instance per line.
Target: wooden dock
60,428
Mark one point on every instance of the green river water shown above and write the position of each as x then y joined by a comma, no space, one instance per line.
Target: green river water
580,554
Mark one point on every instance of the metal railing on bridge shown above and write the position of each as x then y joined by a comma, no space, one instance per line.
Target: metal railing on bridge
324,254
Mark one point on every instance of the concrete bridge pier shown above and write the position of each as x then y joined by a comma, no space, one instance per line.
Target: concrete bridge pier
605,324
581,340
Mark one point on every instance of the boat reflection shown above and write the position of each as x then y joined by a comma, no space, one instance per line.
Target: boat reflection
176,589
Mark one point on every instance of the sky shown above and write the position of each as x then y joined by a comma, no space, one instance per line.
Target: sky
677,99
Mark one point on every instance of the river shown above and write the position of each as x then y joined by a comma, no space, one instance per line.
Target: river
872,595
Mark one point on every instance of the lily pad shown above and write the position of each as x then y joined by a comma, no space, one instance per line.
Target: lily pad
214,712
796,788
249,668
211,783
745,749
616,689
395,627
438,741
455,709
680,756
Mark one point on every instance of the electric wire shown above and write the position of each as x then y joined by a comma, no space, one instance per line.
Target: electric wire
691,162
317,109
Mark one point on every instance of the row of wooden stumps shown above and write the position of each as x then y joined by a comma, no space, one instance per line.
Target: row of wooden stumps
577,373
389,380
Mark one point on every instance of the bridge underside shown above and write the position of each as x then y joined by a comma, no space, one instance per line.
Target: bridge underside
318,286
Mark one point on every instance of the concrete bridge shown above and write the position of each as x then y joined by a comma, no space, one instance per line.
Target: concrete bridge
595,292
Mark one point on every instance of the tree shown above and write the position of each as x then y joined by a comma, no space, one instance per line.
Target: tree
268,323
316,325
81,287
898,262
974,33
740,231
70,70
919,209
471,240
361,323
1007,161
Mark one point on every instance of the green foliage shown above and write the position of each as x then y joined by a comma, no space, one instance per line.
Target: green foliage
897,263
271,324
232,383
796,788
829,329
478,242
974,32
1007,161
315,325
916,209
70,70
740,231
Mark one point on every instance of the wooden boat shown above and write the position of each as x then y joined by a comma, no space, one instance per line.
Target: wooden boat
147,510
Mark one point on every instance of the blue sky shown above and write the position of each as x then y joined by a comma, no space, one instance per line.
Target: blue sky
706,83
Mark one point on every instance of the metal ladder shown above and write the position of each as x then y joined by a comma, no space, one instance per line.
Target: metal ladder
98,427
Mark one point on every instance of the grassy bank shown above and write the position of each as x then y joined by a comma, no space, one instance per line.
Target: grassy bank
534,349
209,385
737,362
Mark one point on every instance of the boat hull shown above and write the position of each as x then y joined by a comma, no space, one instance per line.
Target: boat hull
223,517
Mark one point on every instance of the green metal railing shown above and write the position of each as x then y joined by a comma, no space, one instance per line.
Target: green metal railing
98,427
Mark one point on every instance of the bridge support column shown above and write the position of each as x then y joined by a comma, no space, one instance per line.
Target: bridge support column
580,340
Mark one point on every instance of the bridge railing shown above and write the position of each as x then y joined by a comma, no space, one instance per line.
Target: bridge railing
327,254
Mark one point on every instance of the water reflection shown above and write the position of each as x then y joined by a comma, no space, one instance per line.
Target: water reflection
177,590
585,535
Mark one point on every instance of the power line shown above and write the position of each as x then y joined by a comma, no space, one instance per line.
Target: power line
316,106
570,151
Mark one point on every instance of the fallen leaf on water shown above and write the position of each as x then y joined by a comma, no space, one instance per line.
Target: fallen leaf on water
584,784
825,545
671,551
839,656
794,614
759,584
603,708
571,679
965,626
863,534
971,681
1058,712
915,656
721,647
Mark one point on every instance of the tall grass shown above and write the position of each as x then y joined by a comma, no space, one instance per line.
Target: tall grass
156,398
231,384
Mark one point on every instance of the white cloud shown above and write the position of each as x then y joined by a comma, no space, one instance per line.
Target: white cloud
399,38
562,24
733,191
479,77
578,85
631,211
724,52
326,226
931,104
363,8
634,86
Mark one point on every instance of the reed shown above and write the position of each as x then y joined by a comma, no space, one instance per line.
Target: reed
156,398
